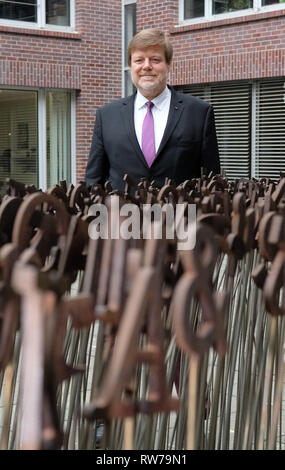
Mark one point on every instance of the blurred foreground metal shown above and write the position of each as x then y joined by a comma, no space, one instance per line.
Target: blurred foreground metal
132,343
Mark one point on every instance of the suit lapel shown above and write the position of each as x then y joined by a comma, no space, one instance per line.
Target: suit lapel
175,111
127,112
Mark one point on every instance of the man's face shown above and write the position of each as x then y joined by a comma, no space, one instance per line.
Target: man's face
149,71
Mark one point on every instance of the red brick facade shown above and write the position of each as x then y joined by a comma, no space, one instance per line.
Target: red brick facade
89,60
246,47
240,48
79,61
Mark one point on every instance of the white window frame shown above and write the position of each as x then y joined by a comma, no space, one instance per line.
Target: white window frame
73,136
41,24
209,16
42,138
42,148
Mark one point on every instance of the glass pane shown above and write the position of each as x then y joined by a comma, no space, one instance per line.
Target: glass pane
58,12
19,136
271,2
225,6
194,8
129,86
58,137
130,26
20,10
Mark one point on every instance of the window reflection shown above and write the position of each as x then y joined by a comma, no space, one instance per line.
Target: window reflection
129,86
58,12
129,32
130,27
225,6
194,8
271,2
20,10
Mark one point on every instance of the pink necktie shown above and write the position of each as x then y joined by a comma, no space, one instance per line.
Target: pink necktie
148,143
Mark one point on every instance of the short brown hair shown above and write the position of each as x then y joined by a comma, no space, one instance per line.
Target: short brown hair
151,37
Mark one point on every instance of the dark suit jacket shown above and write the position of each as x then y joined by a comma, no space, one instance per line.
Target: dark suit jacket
189,143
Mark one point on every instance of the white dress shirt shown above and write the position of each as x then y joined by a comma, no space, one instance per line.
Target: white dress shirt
160,110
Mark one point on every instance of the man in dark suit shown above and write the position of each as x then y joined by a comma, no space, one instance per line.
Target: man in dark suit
157,132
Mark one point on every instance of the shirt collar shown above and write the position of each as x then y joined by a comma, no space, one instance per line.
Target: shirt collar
158,101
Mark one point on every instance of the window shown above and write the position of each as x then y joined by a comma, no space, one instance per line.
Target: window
269,125
226,6
58,112
271,2
129,30
58,12
19,136
250,123
35,136
25,10
194,9
52,14
206,10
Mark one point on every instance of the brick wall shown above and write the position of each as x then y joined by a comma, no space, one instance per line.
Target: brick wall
157,14
236,49
88,61
247,47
